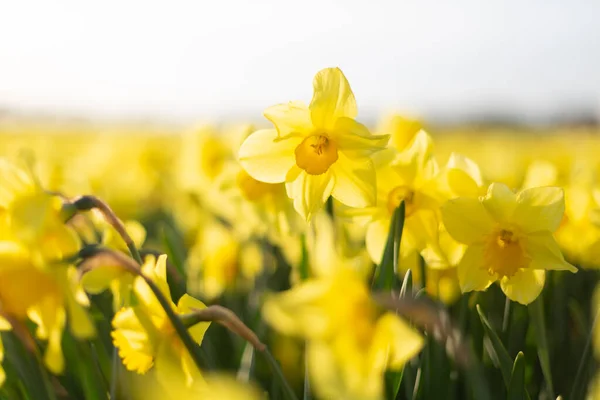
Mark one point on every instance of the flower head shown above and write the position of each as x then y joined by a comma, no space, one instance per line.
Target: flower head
350,341
319,150
509,238
143,333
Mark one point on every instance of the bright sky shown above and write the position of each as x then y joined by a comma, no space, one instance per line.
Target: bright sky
212,58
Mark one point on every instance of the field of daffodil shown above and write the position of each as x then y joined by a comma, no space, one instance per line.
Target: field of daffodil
308,257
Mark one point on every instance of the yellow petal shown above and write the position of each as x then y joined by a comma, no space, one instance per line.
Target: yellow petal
545,253
376,238
500,202
524,286
132,341
466,219
267,159
98,279
290,118
354,181
310,192
297,312
465,164
403,131
187,304
540,173
472,274
4,325
540,209
354,139
332,98
394,342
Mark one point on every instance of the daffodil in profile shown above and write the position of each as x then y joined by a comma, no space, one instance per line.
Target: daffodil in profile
144,335
350,341
509,238
317,150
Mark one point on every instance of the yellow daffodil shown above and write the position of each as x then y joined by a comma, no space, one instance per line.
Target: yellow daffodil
509,237
350,342
119,280
33,242
408,177
319,150
144,335
402,130
220,261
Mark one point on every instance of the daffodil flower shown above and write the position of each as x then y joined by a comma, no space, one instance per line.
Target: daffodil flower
319,150
350,343
509,237
408,177
33,241
144,335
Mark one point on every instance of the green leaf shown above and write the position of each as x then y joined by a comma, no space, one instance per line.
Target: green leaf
304,267
516,388
536,312
385,277
28,367
502,356
176,253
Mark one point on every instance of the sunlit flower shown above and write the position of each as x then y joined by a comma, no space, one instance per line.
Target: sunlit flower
350,342
34,282
408,177
144,335
402,131
219,261
509,237
319,150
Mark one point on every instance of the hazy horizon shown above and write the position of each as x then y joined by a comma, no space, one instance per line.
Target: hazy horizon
192,60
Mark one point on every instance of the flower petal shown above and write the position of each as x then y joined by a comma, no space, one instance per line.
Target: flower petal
524,286
354,139
296,311
466,219
290,118
376,237
187,304
332,98
310,192
540,209
500,202
267,159
472,274
355,183
545,253
394,343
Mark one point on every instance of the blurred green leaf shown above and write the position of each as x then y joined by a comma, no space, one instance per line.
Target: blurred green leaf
516,388
536,312
386,273
502,356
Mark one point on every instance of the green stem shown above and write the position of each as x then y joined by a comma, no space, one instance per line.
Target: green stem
577,383
536,310
287,389
506,318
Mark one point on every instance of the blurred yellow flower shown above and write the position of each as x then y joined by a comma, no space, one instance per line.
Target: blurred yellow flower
220,261
319,150
144,335
410,177
350,342
33,240
402,130
509,237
